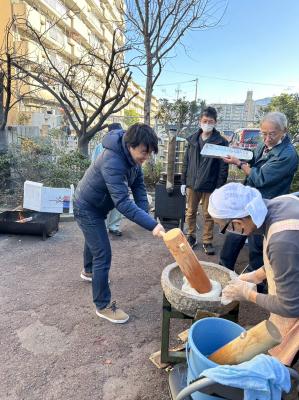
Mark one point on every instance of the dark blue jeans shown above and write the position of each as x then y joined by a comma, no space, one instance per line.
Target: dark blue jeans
97,253
232,246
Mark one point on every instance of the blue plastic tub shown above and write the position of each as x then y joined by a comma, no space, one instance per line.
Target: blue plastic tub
206,336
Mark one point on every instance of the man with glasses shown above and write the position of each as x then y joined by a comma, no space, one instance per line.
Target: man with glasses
242,209
271,171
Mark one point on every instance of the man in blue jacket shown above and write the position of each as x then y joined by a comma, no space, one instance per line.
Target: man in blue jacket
114,217
271,171
104,186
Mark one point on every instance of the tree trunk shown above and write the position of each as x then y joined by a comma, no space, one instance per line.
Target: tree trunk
83,145
148,95
3,142
3,134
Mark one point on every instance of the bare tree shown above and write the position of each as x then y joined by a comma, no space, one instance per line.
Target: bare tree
156,27
182,113
76,84
11,90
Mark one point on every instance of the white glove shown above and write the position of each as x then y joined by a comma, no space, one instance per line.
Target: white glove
256,277
238,290
183,190
158,231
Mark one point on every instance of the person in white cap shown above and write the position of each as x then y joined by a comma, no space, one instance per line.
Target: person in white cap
241,209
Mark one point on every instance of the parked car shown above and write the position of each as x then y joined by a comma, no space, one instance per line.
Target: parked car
246,138
228,134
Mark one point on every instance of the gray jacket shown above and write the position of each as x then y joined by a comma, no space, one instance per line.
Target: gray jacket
283,254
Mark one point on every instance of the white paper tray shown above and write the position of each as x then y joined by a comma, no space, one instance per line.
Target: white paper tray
213,150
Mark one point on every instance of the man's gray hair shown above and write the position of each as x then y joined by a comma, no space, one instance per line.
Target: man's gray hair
277,118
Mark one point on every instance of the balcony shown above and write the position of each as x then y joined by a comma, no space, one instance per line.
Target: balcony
57,6
81,29
113,9
57,34
23,12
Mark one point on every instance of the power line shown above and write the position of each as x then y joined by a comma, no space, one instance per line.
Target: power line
175,83
221,79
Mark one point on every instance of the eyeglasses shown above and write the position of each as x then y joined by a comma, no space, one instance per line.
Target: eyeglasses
270,135
232,227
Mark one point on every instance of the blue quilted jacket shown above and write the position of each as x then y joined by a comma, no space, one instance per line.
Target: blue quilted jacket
106,184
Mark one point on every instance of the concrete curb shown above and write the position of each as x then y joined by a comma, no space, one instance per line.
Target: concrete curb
67,218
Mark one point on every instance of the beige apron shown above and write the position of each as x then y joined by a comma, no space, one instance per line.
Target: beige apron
288,327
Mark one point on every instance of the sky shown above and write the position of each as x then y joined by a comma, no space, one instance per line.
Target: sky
255,47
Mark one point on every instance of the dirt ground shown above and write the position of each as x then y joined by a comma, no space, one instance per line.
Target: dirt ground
54,347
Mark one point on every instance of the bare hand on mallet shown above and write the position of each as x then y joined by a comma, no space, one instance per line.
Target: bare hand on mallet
158,231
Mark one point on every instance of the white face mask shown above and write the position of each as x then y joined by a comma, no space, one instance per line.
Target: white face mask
207,127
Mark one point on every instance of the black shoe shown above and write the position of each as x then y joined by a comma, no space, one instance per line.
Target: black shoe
192,241
115,233
208,249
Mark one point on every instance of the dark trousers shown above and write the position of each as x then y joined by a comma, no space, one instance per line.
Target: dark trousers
232,246
97,253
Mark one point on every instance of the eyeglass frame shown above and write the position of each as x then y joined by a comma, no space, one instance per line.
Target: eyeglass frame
223,230
270,135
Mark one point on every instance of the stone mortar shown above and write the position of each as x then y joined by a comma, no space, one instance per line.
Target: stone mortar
172,281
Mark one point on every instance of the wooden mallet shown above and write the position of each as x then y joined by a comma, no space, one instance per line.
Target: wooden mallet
189,264
256,340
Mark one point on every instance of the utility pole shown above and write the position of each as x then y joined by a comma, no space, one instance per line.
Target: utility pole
178,91
196,83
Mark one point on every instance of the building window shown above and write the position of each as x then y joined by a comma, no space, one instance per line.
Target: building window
56,33
57,6
94,41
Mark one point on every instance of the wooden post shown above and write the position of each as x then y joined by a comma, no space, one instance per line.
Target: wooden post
187,260
256,340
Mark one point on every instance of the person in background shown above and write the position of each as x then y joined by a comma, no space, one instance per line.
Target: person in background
104,186
271,171
242,210
114,217
201,175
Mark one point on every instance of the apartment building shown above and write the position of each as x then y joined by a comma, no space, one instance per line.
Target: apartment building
237,115
81,24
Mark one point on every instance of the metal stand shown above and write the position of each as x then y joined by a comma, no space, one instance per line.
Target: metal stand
170,312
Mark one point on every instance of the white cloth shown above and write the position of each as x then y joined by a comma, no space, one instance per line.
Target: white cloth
235,200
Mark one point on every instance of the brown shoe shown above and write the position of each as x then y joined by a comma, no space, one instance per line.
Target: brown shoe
86,276
113,314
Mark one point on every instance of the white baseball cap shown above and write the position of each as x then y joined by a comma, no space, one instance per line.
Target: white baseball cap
235,200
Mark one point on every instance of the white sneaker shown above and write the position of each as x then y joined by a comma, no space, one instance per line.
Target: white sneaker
87,276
